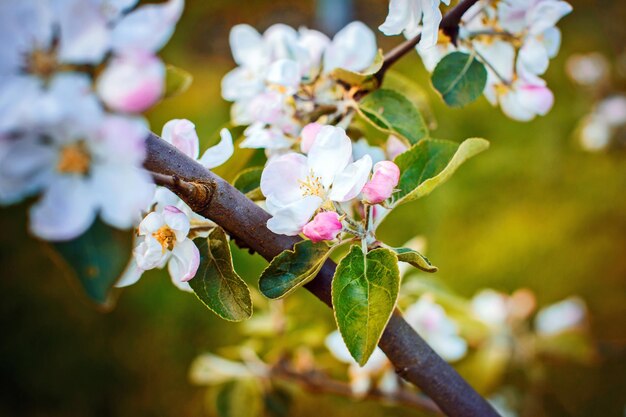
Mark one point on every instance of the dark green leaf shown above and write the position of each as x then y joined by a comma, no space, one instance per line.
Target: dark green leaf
365,79
430,163
249,182
97,258
177,81
460,78
414,258
239,398
364,293
391,112
217,284
293,268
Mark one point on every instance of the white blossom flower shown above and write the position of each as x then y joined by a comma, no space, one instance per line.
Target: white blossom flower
432,323
296,186
181,133
565,315
163,239
90,170
410,16
491,307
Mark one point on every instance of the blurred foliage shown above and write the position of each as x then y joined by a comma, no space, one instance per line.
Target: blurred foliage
534,211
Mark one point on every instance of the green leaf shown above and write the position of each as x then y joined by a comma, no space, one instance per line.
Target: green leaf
249,182
293,268
460,78
365,79
217,284
240,398
177,81
413,91
430,163
97,258
391,112
364,292
414,258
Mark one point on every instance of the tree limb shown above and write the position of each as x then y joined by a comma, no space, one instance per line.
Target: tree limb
411,356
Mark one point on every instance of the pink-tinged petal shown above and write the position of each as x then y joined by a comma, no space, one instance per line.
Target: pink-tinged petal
546,14
65,211
324,226
513,108
132,83
349,182
290,219
384,180
131,275
220,153
176,220
538,98
151,223
282,176
147,28
308,135
149,254
330,153
269,107
184,262
182,134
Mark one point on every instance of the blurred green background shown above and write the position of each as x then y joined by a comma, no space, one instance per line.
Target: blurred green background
534,211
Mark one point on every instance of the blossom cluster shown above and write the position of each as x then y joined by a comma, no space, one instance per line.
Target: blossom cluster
283,78
74,77
320,191
515,39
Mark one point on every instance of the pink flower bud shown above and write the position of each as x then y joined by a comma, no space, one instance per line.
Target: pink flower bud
131,84
384,180
182,134
308,134
324,226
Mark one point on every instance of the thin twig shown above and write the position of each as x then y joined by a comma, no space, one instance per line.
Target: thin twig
449,25
317,382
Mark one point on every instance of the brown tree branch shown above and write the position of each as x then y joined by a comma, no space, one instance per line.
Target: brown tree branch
316,382
449,25
411,356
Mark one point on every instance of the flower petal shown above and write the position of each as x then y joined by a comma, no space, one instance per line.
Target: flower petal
177,221
349,183
148,27
184,262
65,211
281,178
330,153
218,154
290,219
182,134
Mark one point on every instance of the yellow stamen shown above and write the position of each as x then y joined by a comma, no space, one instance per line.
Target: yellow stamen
312,185
42,63
166,237
74,159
